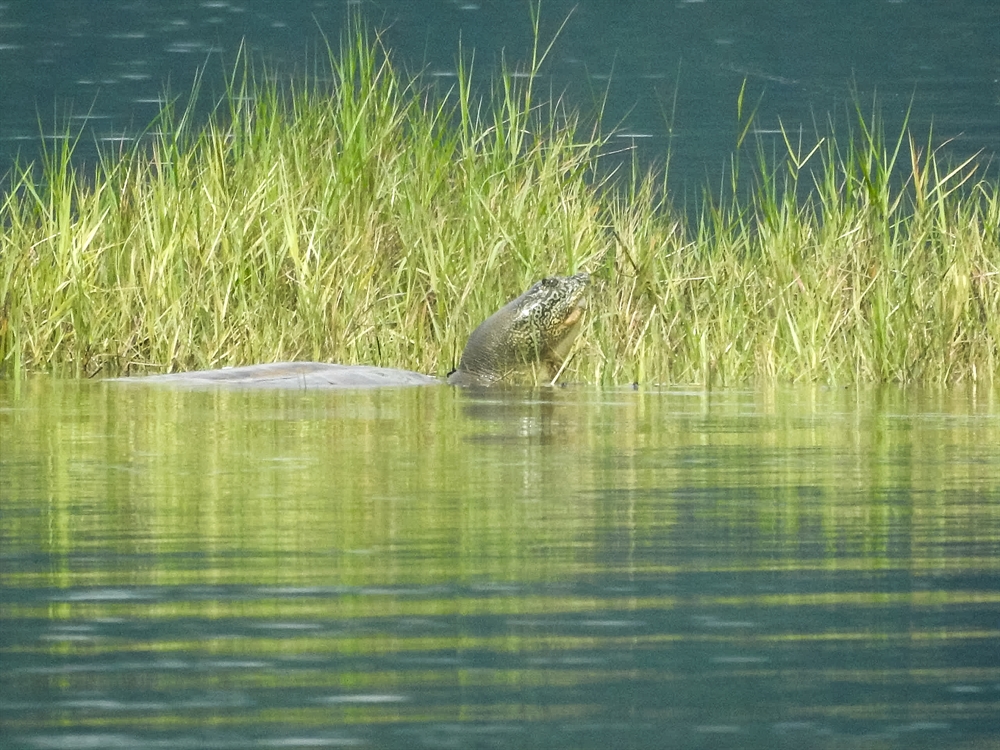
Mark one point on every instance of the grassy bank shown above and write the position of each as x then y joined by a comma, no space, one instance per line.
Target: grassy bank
363,218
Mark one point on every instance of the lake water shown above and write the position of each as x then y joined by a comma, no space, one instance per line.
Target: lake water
667,74
439,568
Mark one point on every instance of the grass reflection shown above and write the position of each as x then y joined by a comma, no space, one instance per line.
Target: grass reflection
436,486
417,566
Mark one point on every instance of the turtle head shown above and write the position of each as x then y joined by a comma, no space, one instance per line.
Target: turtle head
551,313
538,327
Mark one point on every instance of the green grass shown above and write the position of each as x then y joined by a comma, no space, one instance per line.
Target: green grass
364,217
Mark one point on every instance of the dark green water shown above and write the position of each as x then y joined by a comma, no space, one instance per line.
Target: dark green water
429,568
666,75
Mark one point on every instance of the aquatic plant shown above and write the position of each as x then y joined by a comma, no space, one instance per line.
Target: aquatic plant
840,266
362,216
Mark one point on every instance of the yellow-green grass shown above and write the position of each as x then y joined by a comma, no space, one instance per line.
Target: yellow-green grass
366,217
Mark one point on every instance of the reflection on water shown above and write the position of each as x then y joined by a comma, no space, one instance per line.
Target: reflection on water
440,568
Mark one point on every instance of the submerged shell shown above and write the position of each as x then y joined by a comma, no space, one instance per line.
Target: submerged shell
292,376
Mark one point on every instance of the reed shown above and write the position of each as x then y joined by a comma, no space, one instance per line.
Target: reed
883,272
361,216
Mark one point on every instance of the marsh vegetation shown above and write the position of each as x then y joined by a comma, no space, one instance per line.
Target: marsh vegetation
363,216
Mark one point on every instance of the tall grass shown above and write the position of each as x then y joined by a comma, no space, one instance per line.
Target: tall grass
364,217
882,273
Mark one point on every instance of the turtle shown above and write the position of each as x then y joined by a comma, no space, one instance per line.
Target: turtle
535,329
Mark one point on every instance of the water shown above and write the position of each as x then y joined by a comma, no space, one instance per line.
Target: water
432,568
667,74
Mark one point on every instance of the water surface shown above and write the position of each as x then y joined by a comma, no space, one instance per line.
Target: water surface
667,75
432,567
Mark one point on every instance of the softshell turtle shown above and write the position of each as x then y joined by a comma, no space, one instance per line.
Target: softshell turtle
537,328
